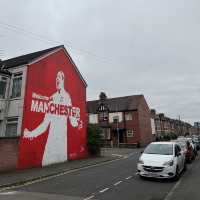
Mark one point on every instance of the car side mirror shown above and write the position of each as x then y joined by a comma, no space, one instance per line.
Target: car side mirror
142,152
178,154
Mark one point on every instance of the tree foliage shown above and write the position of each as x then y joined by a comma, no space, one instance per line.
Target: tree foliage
94,139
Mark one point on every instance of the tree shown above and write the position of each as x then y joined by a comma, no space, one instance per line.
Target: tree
93,139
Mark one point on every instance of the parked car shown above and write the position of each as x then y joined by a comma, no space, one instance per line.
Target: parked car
196,142
194,149
183,145
162,160
190,155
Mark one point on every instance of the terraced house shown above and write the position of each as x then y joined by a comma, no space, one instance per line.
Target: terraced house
125,121
42,110
165,125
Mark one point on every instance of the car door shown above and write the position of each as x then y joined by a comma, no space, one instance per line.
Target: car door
179,157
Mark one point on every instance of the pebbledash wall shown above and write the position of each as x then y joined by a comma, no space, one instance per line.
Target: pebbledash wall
51,114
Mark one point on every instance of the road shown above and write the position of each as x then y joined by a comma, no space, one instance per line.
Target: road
114,180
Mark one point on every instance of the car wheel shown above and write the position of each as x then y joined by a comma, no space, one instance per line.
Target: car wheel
177,176
142,177
185,166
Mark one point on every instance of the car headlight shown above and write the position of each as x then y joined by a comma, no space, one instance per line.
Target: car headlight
169,163
141,162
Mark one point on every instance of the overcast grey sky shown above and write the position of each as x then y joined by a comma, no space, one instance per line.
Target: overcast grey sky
122,47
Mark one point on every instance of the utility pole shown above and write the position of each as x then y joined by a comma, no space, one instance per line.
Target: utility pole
179,119
118,131
198,125
117,122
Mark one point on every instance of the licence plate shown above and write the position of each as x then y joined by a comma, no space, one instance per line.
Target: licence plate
151,174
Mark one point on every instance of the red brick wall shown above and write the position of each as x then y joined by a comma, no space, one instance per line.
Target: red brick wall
8,154
134,125
145,123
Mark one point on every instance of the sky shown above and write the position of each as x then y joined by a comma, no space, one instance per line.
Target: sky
121,47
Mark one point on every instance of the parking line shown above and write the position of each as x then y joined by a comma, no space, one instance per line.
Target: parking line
168,197
117,183
104,190
90,197
9,193
171,192
129,177
42,179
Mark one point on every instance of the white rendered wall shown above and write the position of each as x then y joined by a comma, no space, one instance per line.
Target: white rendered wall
15,105
93,118
116,114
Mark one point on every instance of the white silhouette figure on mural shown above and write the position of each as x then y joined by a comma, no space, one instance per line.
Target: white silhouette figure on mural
56,145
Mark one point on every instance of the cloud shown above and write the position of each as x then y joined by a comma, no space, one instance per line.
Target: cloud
121,47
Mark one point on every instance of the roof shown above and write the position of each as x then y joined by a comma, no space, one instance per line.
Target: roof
29,58
25,59
125,103
4,71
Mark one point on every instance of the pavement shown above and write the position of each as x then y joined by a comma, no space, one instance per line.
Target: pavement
107,180
188,186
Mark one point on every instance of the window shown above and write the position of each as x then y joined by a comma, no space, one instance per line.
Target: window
129,133
128,116
102,135
103,117
3,83
11,127
103,113
105,133
17,85
115,119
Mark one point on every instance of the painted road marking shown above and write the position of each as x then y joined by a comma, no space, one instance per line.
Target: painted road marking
42,179
9,193
90,197
104,190
129,177
168,197
117,183
117,155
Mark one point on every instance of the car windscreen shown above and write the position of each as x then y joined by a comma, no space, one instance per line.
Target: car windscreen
161,149
195,140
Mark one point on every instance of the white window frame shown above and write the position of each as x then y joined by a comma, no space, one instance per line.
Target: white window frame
16,76
129,133
4,79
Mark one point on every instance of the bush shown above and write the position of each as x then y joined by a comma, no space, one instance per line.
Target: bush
93,139
167,137
173,136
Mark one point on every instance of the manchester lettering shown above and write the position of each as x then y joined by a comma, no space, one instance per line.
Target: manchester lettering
56,109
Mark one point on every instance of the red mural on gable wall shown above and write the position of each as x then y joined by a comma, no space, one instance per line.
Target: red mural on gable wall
54,117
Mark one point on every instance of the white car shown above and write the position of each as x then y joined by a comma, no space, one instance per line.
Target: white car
161,160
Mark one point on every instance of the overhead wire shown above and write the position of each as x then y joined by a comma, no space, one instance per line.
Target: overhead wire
49,40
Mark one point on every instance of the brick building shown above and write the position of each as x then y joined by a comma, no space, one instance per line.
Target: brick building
124,121
196,128
42,104
165,125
